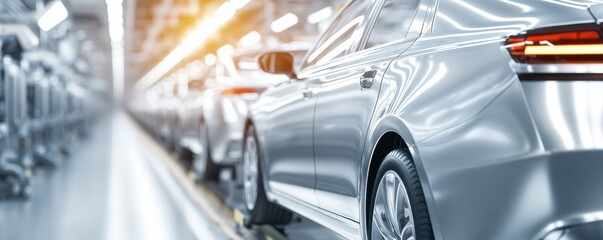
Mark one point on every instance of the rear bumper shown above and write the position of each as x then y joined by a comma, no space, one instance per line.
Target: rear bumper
568,114
573,194
588,226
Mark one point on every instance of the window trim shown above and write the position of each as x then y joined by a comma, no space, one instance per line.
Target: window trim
416,25
317,67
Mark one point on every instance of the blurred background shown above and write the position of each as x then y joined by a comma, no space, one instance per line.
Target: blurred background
99,109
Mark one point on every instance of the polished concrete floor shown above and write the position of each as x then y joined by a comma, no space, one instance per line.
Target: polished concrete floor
109,188
121,184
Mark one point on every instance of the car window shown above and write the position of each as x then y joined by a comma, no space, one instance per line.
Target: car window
393,22
339,36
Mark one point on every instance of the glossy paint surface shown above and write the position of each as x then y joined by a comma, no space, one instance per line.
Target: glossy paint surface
498,158
290,157
343,113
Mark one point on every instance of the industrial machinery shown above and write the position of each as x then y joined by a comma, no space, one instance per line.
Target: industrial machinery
15,166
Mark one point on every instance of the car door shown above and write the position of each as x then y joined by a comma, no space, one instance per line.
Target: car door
347,98
289,160
289,142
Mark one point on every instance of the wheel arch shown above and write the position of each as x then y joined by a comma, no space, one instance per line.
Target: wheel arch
250,122
387,134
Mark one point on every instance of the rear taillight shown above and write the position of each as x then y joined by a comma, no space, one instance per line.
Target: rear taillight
567,44
237,91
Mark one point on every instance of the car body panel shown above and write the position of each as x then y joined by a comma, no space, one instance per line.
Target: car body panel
342,115
474,129
289,159
569,114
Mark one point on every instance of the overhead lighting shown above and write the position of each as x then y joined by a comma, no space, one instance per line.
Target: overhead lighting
238,4
250,39
115,18
194,40
54,15
320,15
209,59
284,22
195,69
197,65
225,51
224,12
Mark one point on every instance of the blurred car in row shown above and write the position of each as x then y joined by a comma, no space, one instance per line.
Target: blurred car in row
235,84
202,119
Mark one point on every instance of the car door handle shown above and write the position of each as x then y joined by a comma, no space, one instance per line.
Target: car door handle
307,93
367,79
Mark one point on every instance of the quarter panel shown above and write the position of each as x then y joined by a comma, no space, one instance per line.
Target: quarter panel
436,90
481,175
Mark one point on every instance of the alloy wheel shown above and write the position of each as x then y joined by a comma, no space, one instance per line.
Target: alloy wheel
250,161
392,213
200,163
14,184
200,159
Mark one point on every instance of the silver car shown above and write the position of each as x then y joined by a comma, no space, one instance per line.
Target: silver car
235,82
189,112
426,119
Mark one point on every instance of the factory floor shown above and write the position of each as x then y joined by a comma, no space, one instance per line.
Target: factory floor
121,184
112,186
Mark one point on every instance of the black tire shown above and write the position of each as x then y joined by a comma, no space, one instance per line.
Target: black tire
264,211
401,162
212,170
186,158
18,181
176,133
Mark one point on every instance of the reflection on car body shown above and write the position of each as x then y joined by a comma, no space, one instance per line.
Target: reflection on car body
458,120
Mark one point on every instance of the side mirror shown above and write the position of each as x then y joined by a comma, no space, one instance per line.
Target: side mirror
277,63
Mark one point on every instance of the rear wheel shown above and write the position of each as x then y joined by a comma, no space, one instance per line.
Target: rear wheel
397,209
261,211
204,167
17,184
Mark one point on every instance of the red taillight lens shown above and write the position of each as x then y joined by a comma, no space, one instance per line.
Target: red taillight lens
237,91
557,46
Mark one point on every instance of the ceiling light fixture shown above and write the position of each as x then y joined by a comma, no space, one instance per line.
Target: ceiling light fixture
54,15
238,4
115,18
250,39
283,23
225,51
210,59
194,40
